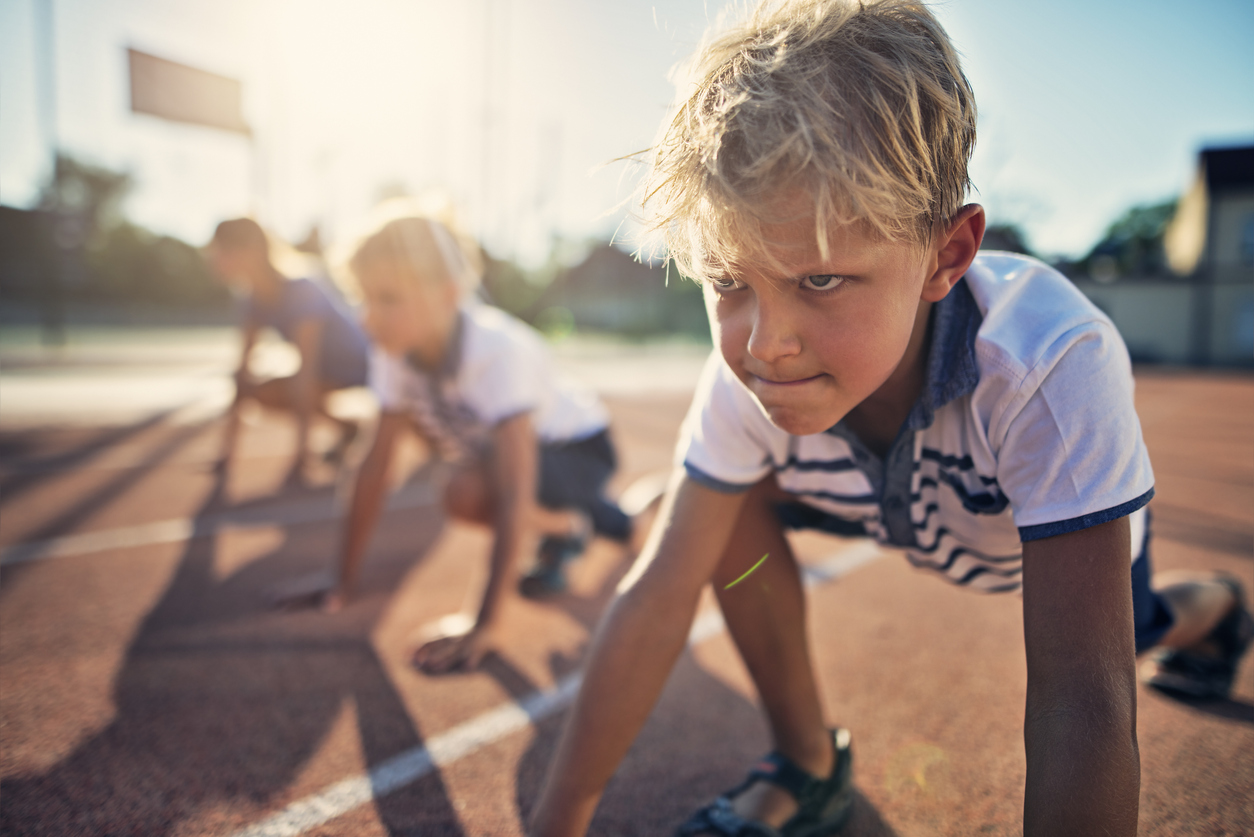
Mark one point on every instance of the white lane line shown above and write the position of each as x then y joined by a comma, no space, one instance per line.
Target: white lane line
413,764
185,528
464,739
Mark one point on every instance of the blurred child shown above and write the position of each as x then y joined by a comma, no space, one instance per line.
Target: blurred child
333,348
875,376
532,453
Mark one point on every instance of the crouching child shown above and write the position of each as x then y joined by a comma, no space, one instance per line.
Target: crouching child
875,375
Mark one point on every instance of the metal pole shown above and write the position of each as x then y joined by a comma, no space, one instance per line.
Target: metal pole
53,303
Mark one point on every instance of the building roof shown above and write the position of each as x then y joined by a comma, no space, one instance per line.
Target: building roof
1228,168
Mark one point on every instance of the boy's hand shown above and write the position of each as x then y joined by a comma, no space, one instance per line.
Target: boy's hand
455,643
333,601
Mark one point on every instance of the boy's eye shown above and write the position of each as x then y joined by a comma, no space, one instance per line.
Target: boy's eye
724,284
822,282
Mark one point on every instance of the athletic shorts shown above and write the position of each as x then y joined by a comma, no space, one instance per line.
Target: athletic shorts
574,474
1150,614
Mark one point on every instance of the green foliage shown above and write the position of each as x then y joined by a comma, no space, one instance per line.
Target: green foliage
1008,237
509,287
90,192
1133,244
129,263
90,253
1144,223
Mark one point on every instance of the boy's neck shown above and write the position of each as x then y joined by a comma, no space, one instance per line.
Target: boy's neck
432,354
878,419
267,283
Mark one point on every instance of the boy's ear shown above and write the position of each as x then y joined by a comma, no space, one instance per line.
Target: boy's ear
953,251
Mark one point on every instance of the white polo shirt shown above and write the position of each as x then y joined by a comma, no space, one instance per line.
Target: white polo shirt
1026,428
497,367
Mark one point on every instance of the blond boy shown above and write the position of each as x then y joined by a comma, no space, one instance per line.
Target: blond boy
872,375
531,452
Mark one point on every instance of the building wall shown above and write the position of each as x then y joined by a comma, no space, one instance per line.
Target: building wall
1158,319
1233,230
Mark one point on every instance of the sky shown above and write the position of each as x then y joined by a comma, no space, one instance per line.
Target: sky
518,109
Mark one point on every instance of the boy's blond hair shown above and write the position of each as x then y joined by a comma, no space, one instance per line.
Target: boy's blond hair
862,106
420,238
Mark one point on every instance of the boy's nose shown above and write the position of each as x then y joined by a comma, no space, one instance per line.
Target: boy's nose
773,336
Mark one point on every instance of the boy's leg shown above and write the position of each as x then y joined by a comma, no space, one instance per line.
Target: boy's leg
279,394
766,617
468,497
573,477
1198,601
348,429
1202,636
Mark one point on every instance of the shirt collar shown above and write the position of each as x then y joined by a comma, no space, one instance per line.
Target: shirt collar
452,357
951,366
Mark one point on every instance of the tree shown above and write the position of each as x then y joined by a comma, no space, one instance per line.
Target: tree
1133,244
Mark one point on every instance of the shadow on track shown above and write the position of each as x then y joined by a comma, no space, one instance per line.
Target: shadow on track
221,702
1232,710
26,472
700,739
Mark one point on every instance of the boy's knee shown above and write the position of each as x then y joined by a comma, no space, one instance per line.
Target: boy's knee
274,394
466,496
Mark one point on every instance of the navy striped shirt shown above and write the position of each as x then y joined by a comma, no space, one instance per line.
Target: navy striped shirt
1025,429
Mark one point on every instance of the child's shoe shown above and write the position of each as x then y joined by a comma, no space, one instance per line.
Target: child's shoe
547,577
823,803
1200,675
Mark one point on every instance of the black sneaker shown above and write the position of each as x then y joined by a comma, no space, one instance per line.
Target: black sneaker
1201,675
547,577
823,803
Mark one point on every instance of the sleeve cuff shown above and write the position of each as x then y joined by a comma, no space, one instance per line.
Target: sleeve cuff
1084,521
702,478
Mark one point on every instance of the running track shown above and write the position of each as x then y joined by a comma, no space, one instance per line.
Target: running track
147,688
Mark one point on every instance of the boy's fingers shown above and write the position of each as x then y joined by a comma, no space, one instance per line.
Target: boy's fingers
438,655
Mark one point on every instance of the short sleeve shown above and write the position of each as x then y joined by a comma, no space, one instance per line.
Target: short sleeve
725,442
509,377
1074,456
383,380
306,301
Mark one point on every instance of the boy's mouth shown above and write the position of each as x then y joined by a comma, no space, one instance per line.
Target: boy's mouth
788,383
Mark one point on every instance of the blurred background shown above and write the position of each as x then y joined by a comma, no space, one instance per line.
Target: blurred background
149,685
1116,141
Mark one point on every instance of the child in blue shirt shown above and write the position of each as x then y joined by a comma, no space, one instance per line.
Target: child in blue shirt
333,348
873,375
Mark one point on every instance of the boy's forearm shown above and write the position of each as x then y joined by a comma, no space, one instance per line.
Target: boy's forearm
1083,769
512,471
1080,722
633,652
510,537
364,509
635,648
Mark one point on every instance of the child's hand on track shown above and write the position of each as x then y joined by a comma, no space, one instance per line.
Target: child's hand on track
454,643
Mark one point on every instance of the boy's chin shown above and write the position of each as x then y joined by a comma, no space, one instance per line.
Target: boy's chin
803,422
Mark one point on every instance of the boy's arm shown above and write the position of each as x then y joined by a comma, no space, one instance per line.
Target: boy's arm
633,651
363,511
1080,725
308,335
248,339
513,473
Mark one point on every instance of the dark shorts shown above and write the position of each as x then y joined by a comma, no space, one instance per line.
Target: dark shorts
574,474
1150,615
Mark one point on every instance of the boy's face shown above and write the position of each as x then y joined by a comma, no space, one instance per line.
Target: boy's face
405,313
230,265
816,340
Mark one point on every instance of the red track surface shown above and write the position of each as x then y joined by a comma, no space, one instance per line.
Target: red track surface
151,691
